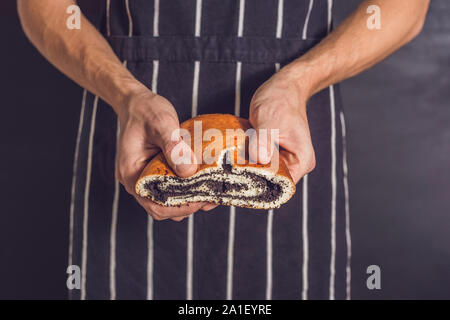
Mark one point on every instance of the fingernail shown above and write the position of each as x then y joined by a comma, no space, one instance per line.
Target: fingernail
184,168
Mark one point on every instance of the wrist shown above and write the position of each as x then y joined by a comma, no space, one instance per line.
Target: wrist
305,76
126,91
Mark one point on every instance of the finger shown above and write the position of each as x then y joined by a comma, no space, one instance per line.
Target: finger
163,212
181,158
262,142
292,162
178,219
133,154
297,151
209,206
178,153
300,161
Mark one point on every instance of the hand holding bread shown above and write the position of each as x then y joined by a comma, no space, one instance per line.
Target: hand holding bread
280,104
146,128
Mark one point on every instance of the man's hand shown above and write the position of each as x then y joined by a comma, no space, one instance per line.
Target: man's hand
146,126
280,104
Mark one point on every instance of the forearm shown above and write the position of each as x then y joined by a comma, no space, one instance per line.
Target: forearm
83,55
352,47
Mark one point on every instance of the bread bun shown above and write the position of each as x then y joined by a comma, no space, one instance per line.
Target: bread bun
227,178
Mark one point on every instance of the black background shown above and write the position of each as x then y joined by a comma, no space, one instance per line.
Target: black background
398,118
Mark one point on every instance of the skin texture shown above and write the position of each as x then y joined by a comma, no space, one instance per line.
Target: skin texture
147,120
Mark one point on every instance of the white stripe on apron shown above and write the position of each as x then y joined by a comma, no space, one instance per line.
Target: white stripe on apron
347,209
330,15
333,173
269,233
305,27
86,201
130,20
230,253
232,225
150,240
333,193
305,239
241,18
305,211
74,178
237,111
150,251
279,19
113,234
108,17
198,17
190,236
156,19
269,250
115,204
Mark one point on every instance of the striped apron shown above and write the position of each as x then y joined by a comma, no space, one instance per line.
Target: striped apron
209,57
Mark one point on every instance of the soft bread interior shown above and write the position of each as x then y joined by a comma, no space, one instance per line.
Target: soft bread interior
225,184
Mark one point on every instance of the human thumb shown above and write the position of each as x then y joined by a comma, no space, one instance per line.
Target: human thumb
179,155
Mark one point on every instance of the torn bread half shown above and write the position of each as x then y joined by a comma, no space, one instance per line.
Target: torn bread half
227,177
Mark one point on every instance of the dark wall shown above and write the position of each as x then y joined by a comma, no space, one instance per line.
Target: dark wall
398,119
39,115
398,116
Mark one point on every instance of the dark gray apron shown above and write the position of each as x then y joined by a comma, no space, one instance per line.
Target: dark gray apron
200,55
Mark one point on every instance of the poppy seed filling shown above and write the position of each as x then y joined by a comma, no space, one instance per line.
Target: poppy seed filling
221,185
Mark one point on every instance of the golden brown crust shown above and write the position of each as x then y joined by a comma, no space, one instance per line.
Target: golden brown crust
159,166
